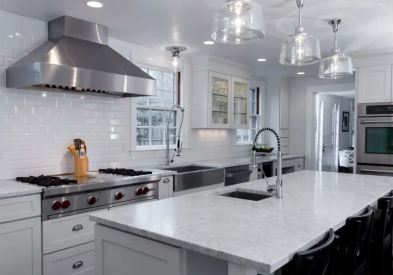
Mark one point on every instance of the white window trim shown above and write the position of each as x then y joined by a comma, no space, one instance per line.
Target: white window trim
261,117
133,114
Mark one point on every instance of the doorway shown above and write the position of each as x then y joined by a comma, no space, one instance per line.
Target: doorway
327,121
333,138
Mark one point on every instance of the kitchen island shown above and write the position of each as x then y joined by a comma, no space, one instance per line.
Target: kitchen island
206,233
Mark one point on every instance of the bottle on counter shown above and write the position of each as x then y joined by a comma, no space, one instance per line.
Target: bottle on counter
82,152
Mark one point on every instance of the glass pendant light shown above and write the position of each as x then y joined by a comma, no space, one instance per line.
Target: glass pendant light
301,48
176,61
238,22
338,65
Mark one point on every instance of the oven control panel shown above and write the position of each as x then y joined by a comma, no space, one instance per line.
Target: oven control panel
379,110
62,206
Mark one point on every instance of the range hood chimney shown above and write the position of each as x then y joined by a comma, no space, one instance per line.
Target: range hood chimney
77,59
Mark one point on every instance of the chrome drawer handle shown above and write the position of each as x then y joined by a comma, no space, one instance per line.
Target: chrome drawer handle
166,180
77,265
77,227
376,171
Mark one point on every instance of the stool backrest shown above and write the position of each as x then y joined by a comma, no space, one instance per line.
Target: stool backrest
383,224
357,242
317,261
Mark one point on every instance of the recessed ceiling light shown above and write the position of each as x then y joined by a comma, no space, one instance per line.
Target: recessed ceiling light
238,39
301,73
150,59
262,59
95,4
208,42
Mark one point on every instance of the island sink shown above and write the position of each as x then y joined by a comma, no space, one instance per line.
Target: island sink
247,195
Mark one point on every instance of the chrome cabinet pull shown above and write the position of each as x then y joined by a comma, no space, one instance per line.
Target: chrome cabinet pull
376,171
77,227
166,180
77,265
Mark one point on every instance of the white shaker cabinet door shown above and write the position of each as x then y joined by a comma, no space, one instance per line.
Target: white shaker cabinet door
375,84
165,188
284,108
20,247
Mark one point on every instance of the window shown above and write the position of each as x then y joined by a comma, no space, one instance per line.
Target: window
248,135
153,112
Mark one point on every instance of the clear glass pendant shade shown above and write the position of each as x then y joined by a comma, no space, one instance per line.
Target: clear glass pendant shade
300,49
176,64
335,67
238,22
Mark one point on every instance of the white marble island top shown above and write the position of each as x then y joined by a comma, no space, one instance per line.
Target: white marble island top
262,235
13,188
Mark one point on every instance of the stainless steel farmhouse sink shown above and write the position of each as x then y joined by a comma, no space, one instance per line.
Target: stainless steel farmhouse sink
244,195
194,176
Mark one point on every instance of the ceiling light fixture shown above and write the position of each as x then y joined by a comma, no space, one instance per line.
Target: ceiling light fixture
301,48
301,73
262,60
94,4
176,61
338,65
238,22
208,42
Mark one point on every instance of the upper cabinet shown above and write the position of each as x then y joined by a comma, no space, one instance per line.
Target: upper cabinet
375,84
220,96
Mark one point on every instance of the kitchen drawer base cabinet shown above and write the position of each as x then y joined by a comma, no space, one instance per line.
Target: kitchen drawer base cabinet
77,260
20,247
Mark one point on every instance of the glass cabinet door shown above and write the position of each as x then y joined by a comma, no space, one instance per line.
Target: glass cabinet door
240,106
220,89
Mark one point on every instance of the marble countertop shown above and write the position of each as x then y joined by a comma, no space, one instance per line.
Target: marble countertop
263,235
12,188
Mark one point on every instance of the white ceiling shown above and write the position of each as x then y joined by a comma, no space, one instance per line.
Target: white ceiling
158,23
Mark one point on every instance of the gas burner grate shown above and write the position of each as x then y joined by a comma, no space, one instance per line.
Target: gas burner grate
46,181
125,172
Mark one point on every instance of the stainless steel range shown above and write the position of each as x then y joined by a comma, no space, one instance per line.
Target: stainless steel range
69,195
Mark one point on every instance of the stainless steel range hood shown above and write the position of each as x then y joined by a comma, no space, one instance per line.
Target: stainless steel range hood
77,59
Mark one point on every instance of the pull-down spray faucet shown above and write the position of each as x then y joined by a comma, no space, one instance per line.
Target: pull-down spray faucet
179,144
254,165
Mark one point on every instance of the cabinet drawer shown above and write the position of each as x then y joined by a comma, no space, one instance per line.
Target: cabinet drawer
77,260
20,208
284,133
66,232
299,164
284,141
165,188
288,163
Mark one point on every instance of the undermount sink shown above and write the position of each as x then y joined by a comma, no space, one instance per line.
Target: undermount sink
247,195
186,169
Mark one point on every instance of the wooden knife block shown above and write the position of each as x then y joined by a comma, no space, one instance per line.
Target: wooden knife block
81,166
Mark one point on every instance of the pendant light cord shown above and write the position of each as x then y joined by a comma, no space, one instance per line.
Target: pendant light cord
335,40
300,6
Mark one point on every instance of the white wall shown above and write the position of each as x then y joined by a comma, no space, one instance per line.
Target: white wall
35,131
298,106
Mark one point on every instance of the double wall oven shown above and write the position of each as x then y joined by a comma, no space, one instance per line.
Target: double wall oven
375,139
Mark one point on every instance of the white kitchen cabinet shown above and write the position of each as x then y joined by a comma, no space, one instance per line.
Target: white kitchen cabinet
299,164
120,253
165,188
284,108
374,84
240,100
18,208
76,260
20,247
220,94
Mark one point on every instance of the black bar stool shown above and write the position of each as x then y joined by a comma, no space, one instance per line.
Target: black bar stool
354,244
319,260
381,244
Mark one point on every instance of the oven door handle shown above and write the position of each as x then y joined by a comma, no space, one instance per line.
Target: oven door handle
376,121
376,171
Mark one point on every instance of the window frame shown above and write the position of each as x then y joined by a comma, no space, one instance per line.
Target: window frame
135,107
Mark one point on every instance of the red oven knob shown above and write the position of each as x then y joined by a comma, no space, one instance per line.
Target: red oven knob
66,204
56,205
146,190
92,200
119,195
139,191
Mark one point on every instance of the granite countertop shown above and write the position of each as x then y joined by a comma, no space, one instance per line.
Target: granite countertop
12,188
262,235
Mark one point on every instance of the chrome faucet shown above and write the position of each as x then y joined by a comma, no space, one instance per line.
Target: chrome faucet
254,166
179,145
